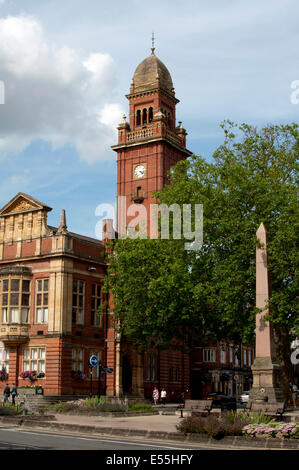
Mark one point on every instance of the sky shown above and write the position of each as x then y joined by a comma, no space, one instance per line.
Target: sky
66,67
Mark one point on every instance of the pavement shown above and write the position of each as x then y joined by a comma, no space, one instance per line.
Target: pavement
162,423
159,426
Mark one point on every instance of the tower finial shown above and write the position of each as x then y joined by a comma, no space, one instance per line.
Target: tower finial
62,227
153,44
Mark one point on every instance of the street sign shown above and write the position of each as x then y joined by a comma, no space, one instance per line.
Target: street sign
93,361
107,370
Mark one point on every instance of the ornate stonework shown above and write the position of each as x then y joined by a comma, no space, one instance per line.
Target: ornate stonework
20,205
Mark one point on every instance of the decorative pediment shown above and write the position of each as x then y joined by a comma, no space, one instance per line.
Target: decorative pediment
23,203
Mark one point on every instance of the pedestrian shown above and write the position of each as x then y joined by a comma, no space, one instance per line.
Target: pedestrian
14,393
6,393
163,395
182,397
293,389
155,395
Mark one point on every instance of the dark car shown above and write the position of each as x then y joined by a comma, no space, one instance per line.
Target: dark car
224,402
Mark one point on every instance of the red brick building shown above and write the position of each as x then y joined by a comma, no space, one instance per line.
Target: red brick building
51,279
50,290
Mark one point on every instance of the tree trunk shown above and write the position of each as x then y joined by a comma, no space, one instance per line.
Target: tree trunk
284,357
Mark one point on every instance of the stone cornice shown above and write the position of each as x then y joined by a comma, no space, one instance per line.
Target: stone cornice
149,141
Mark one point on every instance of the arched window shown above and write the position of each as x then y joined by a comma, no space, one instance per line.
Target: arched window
138,117
144,116
150,115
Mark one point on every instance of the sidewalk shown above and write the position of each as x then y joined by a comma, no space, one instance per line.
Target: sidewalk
155,427
164,423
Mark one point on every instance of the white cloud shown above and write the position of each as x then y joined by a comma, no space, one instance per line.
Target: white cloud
55,94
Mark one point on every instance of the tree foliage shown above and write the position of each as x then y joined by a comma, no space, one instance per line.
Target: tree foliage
163,291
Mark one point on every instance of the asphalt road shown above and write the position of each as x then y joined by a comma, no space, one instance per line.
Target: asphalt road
14,439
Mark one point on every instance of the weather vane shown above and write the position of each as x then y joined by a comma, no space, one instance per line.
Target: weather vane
153,43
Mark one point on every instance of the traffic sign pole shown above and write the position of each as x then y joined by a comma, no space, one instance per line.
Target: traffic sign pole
90,381
99,379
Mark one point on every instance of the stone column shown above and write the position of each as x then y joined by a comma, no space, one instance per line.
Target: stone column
266,369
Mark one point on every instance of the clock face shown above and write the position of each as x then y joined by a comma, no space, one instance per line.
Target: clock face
139,171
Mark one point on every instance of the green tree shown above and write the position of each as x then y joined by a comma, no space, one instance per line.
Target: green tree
163,291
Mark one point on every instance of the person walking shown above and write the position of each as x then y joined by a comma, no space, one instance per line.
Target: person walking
163,395
155,395
6,393
14,393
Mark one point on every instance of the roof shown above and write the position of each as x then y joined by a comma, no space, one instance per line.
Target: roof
148,72
23,203
80,237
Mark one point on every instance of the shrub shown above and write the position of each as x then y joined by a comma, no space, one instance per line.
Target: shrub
94,402
140,407
257,418
8,409
226,424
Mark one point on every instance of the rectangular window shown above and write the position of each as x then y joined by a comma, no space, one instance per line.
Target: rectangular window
14,315
244,357
209,355
249,357
4,359
77,360
222,353
96,296
231,354
4,315
78,302
42,287
34,359
151,367
15,301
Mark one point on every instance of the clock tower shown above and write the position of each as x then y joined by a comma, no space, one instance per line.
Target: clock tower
151,142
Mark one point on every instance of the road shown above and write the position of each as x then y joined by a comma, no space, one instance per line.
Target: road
14,439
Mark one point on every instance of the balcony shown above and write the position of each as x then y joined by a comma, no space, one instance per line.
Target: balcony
13,334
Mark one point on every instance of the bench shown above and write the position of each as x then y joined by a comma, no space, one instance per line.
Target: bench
278,408
197,407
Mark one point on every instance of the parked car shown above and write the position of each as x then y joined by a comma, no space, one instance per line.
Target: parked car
220,400
244,397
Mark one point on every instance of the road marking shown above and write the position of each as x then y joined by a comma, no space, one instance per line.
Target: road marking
95,439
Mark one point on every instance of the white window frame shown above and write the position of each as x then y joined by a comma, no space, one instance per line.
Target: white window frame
209,355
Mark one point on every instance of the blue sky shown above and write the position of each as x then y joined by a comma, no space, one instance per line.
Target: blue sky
67,65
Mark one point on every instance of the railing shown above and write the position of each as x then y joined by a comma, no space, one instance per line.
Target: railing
139,135
144,134
14,331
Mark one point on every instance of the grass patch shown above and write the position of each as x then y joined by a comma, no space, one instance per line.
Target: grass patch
140,407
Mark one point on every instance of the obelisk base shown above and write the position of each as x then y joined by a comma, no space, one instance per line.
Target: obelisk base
266,389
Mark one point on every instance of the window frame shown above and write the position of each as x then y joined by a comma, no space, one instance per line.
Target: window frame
207,353
30,359
43,306
14,310
78,308
94,317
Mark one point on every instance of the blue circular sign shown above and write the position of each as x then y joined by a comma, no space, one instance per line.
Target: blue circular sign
93,361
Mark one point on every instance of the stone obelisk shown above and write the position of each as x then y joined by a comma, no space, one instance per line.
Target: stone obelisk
266,387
